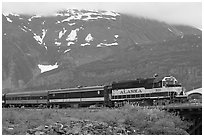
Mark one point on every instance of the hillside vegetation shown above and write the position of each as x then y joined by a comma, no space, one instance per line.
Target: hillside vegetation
127,120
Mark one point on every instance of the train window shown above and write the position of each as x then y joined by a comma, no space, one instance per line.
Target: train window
123,96
137,95
133,96
53,95
147,95
128,96
152,95
142,95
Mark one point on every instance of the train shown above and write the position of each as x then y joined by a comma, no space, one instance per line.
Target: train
141,91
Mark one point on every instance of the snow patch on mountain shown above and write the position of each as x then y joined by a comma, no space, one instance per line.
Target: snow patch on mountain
70,43
5,14
14,14
74,17
44,68
89,38
73,14
43,23
85,44
107,45
61,33
57,43
8,19
73,35
22,29
116,36
71,24
67,50
36,16
89,16
43,34
169,29
38,38
111,13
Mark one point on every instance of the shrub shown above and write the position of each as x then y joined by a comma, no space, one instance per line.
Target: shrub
155,121
142,120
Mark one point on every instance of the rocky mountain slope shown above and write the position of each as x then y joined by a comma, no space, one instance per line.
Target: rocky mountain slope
95,48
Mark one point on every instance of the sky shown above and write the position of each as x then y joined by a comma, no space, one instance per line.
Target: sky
186,13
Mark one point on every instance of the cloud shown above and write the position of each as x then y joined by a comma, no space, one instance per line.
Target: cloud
189,13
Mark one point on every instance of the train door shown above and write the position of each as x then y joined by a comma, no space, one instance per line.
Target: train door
3,100
107,96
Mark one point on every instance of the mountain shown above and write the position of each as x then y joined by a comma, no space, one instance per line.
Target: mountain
91,47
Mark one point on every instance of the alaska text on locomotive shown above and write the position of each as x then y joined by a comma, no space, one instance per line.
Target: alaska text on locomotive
128,91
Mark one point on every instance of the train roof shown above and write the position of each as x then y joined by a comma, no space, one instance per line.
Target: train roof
78,89
42,92
138,80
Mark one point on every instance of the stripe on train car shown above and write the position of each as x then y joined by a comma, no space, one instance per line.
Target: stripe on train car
26,101
77,99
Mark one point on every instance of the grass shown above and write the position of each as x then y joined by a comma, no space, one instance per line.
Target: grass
146,121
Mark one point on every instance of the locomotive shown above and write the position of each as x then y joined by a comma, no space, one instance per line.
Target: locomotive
142,91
